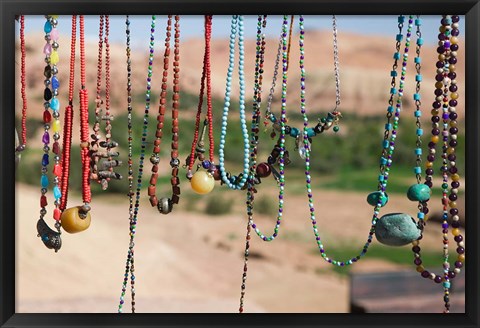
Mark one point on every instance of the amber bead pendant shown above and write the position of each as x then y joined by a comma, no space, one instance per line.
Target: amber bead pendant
76,219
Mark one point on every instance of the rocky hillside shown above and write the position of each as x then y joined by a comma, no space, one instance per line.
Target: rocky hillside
365,64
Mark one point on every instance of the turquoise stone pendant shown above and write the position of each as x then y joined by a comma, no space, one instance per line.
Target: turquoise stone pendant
374,197
397,229
419,192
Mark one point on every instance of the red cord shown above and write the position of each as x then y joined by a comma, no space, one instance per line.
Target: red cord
23,80
86,192
205,75
68,123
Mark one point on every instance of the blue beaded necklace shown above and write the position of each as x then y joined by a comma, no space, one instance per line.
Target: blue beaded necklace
235,182
379,198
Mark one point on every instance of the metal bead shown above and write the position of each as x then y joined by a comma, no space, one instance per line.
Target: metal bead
47,37
55,45
43,191
46,148
54,70
174,162
46,104
154,159
46,82
164,205
55,92
46,126
56,114
43,211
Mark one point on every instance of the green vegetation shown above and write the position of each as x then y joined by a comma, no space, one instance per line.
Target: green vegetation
218,205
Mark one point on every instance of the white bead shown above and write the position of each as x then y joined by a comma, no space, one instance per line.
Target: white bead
456,270
455,218
461,244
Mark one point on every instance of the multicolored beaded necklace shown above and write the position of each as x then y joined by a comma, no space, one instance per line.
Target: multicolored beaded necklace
130,265
377,199
165,204
254,141
446,82
21,145
49,237
203,182
105,173
76,219
235,182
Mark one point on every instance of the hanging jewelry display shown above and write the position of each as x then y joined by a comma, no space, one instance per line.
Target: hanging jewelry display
446,95
103,174
130,265
76,219
203,181
50,238
235,182
20,145
165,204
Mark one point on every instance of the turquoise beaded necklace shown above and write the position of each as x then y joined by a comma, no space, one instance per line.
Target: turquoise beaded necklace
388,142
235,182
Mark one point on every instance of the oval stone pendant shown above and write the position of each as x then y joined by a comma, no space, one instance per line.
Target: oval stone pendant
397,229
72,222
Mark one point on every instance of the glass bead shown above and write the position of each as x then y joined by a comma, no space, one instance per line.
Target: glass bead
45,160
47,28
47,49
54,34
55,83
46,138
47,94
44,181
56,192
54,58
202,182
56,126
55,104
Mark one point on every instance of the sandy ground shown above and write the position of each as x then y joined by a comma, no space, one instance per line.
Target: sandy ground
188,262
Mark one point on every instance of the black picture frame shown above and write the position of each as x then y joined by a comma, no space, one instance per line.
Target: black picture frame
10,8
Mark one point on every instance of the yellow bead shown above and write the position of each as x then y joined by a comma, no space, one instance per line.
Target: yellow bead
452,204
428,165
420,268
452,68
461,257
54,57
56,126
434,111
454,95
453,40
54,16
455,177
455,231
72,222
435,139
441,57
202,182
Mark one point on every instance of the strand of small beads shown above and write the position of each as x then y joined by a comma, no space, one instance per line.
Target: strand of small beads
379,198
104,174
203,182
130,265
165,204
23,131
50,238
446,82
255,128
133,219
235,182
76,219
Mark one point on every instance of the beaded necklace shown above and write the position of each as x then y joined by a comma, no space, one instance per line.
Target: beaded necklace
130,265
203,182
164,204
377,199
76,219
50,238
129,268
447,58
254,141
20,146
235,182
105,173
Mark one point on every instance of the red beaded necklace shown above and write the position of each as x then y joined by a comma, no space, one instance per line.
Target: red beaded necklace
203,182
76,219
165,204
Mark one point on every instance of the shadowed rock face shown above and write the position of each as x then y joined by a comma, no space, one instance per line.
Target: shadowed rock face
365,65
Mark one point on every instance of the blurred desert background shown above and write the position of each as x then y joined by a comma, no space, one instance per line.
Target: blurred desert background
192,259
